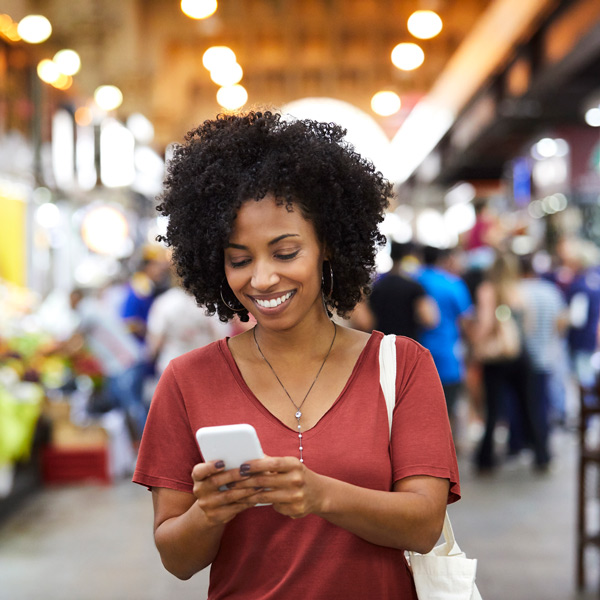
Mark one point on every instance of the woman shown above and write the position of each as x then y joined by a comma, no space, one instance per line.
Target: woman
278,220
497,335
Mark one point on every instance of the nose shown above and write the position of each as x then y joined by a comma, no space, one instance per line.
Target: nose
264,275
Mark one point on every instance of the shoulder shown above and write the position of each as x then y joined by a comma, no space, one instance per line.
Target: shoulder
205,358
406,348
409,348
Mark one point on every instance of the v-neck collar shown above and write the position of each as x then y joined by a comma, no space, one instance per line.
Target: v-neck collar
228,356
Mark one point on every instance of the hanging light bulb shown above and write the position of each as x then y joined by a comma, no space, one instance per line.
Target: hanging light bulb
198,9
108,97
34,29
227,75
232,97
67,61
217,57
48,71
386,103
424,24
407,56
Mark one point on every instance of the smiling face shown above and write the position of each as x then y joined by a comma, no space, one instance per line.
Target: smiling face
273,263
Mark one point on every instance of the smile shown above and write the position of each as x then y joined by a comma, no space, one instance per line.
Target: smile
274,302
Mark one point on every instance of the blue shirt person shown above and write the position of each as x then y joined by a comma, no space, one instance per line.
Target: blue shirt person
444,341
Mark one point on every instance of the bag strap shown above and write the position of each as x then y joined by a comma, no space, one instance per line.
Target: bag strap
387,380
387,374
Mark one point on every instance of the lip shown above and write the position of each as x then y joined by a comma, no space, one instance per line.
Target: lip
259,302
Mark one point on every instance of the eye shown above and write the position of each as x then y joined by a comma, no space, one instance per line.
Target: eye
287,256
236,264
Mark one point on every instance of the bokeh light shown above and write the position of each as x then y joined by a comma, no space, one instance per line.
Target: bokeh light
228,74
217,57
104,229
108,97
67,61
386,103
232,97
592,117
424,24
198,9
407,56
48,71
34,29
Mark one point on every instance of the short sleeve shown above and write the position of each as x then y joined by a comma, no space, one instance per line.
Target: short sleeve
463,298
168,450
422,441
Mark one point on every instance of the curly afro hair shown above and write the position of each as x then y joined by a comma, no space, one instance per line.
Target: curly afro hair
235,158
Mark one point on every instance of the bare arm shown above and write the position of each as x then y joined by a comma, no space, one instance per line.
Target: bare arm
185,540
411,518
427,312
188,527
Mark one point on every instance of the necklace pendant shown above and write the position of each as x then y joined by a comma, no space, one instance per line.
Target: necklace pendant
298,415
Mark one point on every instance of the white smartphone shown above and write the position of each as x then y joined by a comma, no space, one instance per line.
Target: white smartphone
233,444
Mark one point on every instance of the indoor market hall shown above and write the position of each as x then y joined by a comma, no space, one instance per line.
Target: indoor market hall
156,278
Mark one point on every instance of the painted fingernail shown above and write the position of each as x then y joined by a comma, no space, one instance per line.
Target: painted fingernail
219,464
231,485
244,469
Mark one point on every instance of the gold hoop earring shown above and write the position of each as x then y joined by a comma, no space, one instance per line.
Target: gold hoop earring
225,301
323,283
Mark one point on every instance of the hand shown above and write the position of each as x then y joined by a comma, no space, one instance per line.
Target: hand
220,506
286,483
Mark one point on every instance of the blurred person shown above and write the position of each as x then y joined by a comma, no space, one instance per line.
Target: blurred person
142,288
113,293
545,325
176,325
279,219
480,235
445,339
398,303
583,298
119,354
496,337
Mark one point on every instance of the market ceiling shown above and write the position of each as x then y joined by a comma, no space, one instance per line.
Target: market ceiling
290,49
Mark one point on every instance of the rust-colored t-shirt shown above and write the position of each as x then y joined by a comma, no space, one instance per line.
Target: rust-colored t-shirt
263,554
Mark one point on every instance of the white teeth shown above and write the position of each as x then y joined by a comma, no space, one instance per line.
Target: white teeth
275,302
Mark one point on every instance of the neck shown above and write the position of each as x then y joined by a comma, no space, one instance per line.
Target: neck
306,337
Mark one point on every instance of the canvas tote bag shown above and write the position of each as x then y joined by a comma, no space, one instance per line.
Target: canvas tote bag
445,573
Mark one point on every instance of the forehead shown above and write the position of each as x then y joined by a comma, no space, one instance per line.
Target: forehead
268,218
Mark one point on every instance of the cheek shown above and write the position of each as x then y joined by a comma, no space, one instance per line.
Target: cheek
234,278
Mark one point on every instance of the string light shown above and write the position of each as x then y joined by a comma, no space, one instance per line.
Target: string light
34,29
198,9
424,24
386,103
108,97
407,56
232,97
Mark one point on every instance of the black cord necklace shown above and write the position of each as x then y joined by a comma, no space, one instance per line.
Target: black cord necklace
298,408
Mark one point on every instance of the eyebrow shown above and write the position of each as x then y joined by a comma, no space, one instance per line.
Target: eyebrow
273,241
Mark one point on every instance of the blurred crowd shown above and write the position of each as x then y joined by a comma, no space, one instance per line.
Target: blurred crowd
513,336
132,327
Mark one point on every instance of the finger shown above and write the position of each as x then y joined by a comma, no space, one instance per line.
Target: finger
226,497
278,464
287,502
203,470
293,479
223,514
